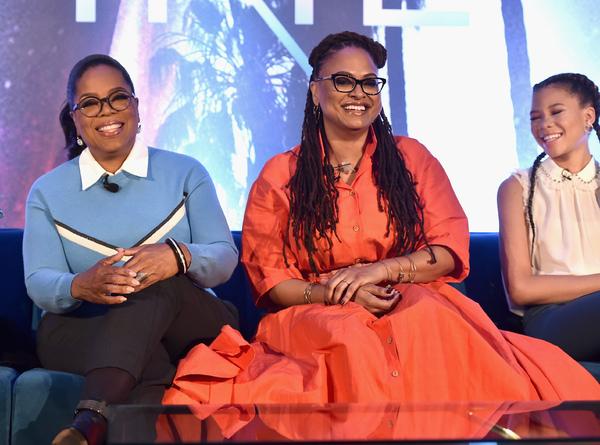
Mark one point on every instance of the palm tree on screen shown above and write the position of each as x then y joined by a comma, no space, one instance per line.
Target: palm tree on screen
234,92
520,78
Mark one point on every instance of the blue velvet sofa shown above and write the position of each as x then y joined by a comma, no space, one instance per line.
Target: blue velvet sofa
35,403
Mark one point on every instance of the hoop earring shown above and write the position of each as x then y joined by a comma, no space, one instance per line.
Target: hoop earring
591,127
79,141
139,130
317,113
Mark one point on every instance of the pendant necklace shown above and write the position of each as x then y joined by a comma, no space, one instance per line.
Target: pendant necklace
344,167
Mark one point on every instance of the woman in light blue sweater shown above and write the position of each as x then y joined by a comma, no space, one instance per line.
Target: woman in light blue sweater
121,243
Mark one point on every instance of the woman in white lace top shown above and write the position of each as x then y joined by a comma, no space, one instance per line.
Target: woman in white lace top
550,220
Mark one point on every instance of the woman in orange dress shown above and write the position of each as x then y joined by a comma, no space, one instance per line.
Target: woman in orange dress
350,239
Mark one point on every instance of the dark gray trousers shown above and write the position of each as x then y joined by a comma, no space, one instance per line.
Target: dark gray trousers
144,336
574,326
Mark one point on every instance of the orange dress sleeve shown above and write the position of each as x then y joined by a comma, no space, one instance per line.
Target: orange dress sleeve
361,225
264,228
444,219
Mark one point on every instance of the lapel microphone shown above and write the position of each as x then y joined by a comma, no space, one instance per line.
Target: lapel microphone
110,186
566,174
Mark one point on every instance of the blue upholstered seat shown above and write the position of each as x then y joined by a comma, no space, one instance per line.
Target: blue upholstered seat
484,285
7,380
42,401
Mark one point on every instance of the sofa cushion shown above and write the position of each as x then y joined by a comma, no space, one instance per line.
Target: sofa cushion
7,380
16,308
484,283
593,368
43,404
17,348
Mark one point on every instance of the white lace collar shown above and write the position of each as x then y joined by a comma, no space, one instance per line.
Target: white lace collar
553,172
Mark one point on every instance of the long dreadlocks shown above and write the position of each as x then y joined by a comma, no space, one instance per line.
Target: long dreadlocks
313,194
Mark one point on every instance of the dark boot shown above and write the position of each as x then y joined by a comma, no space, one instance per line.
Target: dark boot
88,426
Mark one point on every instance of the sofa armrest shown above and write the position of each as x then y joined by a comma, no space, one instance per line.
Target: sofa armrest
17,335
237,291
484,283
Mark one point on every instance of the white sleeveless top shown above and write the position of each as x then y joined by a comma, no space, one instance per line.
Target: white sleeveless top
566,215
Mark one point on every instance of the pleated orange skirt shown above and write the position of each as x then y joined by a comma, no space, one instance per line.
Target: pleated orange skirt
437,345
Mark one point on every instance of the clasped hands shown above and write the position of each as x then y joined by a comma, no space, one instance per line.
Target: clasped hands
359,284
105,283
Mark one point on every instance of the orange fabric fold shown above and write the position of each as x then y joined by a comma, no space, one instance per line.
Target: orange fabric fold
436,346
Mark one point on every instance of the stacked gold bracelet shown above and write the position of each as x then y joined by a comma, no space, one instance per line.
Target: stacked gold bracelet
413,270
389,270
401,273
412,273
308,291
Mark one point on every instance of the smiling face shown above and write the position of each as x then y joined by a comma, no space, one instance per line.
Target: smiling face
346,112
558,123
110,135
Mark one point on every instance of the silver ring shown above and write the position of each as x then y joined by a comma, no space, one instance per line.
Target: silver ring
346,282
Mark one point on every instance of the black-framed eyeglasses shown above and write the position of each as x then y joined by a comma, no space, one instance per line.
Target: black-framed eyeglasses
91,106
346,84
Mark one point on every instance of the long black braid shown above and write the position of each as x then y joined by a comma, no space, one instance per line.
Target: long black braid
313,194
532,176
588,95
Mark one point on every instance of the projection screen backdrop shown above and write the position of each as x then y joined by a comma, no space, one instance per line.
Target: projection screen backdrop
225,80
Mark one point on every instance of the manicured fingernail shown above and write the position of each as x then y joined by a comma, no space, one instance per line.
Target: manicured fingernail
130,289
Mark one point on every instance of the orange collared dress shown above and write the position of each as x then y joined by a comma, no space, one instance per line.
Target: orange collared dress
436,345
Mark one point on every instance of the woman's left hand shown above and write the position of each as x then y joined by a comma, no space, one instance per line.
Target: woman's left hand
346,282
156,260
377,300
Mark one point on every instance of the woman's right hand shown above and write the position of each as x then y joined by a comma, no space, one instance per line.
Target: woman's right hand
105,283
376,299
345,282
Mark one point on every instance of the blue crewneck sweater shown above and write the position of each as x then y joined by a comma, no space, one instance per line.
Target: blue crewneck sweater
68,230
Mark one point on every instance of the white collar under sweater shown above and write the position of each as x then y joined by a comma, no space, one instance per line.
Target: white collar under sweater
136,164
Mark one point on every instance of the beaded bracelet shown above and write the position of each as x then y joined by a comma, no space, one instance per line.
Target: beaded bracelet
413,270
179,256
308,291
401,273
